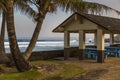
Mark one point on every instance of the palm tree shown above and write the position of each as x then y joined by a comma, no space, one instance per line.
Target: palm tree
46,6
3,57
23,7
20,62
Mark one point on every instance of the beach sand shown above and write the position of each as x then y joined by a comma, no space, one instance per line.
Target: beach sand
110,70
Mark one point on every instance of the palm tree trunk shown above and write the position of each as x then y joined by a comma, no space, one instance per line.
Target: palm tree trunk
3,57
42,13
20,63
33,41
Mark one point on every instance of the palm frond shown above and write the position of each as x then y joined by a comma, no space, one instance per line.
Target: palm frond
25,8
83,6
3,5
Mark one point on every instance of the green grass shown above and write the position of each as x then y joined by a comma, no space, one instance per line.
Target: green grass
68,71
30,75
71,71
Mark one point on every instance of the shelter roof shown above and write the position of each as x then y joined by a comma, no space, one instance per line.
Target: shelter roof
108,23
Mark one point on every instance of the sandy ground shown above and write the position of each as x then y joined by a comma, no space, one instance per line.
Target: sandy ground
110,70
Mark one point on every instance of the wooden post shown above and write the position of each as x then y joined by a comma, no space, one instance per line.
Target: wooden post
95,39
66,45
100,46
111,39
81,45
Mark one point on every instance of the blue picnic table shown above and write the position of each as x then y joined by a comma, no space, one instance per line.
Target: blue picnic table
93,52
113,51
108,51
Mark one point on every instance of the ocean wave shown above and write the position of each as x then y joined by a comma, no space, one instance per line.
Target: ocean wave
45,45
42,44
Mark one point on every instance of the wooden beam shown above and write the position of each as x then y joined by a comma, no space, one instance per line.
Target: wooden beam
75,17
100,46
100,40
81,45
81,39
111,39
66,45
66,39
95,39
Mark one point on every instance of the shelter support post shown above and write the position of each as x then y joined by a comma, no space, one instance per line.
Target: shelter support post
81,45
100,46
95,39
111,39
66,45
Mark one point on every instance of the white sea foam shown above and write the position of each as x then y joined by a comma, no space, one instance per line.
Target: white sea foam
7,46
6,43
43,44
23,43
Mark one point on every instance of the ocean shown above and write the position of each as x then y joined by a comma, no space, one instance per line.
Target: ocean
45,45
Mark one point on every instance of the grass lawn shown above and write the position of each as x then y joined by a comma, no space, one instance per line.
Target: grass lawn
49,70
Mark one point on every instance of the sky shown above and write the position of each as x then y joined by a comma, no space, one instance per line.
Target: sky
25,26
